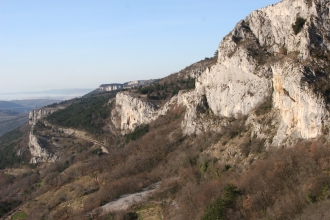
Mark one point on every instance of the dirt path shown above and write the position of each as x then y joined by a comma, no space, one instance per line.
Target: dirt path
79,134
91,140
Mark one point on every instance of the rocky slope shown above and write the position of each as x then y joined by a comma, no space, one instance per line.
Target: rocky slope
37,114
263,57
266,57
211,145
131,112
39,153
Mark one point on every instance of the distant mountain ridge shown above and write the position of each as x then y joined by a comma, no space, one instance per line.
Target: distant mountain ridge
51,91
11,106
58,94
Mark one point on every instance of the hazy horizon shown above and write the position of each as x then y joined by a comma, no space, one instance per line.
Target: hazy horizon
56,94
83,44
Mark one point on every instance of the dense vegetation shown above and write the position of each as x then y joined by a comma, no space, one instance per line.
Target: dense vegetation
298,25
218,209
162,91
138,132
9,145
88,114
8,206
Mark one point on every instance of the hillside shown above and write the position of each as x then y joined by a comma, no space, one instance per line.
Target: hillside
10,120
33,103
11,106
242,135
14,114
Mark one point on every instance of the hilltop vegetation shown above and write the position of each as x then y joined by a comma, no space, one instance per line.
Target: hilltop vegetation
157,91
88,114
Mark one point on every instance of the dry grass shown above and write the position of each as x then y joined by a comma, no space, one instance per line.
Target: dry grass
150,212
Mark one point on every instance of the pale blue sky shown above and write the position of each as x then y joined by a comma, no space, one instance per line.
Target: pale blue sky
55,44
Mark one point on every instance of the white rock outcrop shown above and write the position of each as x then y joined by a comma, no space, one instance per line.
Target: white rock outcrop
38,114
38,152
131,111
249,69
301,110
261,58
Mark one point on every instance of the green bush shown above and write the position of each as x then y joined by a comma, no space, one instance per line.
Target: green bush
298,25
218,209
138,132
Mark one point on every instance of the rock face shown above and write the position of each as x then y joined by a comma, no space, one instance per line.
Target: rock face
263,57
303,113
38,152
267,56
131,112
37,114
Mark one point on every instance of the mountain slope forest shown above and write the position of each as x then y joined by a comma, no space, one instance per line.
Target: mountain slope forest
241,135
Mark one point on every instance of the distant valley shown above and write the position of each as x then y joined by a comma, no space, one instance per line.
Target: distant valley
15,113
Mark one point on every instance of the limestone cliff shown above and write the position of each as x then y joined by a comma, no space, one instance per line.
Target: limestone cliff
279,51
37,114
38,152
263,57
131,112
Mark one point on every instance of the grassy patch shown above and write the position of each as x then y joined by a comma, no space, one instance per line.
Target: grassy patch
19,215
149,212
